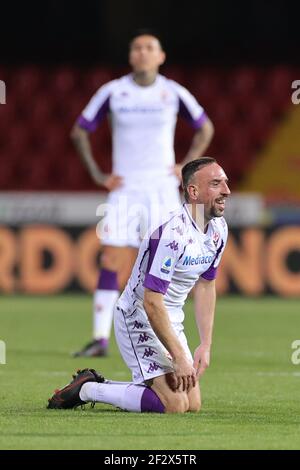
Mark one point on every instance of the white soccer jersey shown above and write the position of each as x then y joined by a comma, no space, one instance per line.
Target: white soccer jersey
172,260
143,120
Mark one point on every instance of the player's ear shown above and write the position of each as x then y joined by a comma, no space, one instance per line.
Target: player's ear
162,57
193,192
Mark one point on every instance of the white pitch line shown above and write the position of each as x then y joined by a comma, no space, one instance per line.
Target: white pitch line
278,374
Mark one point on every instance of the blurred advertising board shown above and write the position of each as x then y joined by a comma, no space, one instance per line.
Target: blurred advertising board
48,245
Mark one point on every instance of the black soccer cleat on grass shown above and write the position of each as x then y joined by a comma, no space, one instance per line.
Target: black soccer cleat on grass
96,348
68,396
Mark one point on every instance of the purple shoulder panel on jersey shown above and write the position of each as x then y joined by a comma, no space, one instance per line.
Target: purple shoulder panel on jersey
198,123
91,126
185,114
156,284
211,273
153,244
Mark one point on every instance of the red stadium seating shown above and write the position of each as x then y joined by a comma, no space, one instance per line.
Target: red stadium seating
244,104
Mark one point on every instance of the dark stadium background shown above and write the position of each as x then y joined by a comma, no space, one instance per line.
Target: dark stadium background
97,31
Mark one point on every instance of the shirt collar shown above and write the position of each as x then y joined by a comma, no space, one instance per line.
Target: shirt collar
208,234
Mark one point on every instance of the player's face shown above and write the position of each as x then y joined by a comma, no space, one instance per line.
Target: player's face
212,190
146,54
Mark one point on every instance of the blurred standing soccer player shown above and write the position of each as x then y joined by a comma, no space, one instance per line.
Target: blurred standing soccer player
143,108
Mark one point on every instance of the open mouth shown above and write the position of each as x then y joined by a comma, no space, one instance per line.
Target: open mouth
220,203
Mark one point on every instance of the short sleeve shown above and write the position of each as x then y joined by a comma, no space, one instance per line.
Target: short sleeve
189,108
96,109
165,248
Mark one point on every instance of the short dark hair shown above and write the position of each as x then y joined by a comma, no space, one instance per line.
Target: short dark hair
145,32
190,168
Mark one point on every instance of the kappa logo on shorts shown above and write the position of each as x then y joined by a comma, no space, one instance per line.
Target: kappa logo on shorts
167,265
149,352
137,325
143,338
153,367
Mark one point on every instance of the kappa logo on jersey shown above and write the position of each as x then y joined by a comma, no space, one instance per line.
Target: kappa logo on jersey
173,245
178,230
167,265
216,237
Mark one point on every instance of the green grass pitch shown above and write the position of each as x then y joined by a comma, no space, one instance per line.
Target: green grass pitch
250,393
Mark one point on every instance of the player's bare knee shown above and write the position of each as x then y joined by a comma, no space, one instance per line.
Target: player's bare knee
194,397
177,403
195,405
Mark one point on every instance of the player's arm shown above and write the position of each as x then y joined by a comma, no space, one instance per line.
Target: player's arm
205,302
200,142
193,113
81,140
160,322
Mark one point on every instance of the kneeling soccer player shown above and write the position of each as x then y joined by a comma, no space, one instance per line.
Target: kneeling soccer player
148,318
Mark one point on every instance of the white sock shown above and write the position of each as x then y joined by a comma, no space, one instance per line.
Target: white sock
123,395
104,302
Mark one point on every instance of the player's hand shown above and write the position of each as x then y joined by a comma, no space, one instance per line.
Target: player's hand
176,170
185,374
201,359
112,182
